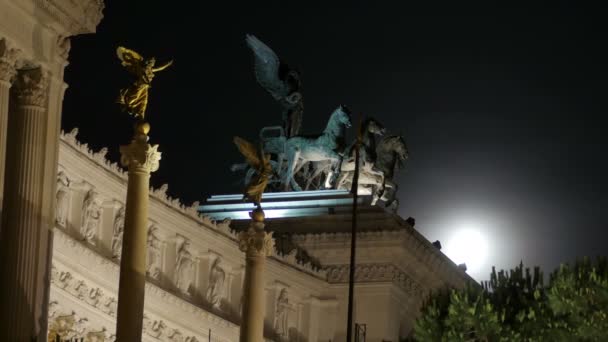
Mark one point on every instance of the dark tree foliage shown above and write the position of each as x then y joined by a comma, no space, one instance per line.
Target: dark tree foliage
517,306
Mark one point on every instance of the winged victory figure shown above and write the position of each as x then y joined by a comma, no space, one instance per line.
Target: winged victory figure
261,163
281,81
134,99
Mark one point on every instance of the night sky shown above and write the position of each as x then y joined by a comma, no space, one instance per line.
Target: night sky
502,107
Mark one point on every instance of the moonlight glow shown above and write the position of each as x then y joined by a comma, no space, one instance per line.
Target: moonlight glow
468,246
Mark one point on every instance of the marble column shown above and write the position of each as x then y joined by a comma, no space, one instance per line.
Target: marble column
24,247
141,159
257,245
7,72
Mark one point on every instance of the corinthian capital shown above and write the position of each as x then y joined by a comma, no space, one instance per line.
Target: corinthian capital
139,156
255,241
8,57
31,87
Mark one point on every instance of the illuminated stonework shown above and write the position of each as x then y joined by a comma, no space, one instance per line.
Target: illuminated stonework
396,267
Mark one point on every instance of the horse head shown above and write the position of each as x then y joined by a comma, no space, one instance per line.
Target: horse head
400,149
374,127
343,115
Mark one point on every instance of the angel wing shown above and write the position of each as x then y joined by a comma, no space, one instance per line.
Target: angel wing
266,67
249,151
130,59
164,66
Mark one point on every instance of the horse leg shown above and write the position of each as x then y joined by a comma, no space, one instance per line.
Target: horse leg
317,171
292,159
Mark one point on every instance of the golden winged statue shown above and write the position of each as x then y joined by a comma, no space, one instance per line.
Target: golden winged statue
261,163
134,99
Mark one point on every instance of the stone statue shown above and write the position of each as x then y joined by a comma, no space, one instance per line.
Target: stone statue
119,227
215,290
91,217
281,81
328,146
184,267
62,206
391,153
281,316
153,265
134,99
261,163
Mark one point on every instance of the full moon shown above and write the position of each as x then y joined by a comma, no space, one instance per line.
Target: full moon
468,246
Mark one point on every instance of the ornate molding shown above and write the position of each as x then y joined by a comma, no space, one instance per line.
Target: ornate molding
69,325
160,194
97,157
375,273
255,241
31,87
8,58
104,301
77,17
139,156
423,250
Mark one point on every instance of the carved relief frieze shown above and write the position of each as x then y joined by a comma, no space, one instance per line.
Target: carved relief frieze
118,232
95,296
372,273
64,323
62,205
154,253
90,222
184,266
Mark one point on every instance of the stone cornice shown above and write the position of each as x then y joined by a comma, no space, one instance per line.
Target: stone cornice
375,273
414,243
76,16
307,267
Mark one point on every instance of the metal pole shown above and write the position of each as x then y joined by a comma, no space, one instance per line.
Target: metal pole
353,239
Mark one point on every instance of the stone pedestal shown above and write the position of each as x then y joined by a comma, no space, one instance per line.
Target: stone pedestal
7,72
26,235
141,159
257,245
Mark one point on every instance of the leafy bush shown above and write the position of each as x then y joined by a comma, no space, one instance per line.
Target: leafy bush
516,306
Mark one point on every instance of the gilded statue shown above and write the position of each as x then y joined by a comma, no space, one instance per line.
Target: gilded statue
134,99
260,162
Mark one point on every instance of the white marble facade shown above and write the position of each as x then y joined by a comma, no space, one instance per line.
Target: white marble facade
196,271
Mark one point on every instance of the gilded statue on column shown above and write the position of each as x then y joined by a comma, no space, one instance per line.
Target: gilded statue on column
260,162
134,99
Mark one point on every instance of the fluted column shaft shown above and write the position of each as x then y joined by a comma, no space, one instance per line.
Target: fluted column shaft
257,245
141,158
7,72
24,245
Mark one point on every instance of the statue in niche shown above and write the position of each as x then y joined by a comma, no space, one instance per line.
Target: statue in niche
62,206
119,227
91,217
184,267
153,267
281,322
215,290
